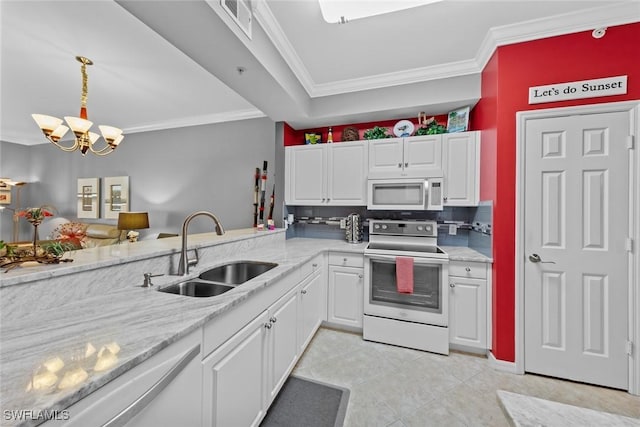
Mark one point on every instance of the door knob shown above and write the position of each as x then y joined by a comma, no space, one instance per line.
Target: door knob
536,258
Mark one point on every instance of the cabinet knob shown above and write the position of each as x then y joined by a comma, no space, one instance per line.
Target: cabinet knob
444,198
273,320
314,265
344,259
399,165
452,285
468,269
406,165
303,292
323,199
268,325
360,276
328,198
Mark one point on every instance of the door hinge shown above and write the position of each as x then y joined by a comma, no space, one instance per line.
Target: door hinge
630,141
629,348
629,244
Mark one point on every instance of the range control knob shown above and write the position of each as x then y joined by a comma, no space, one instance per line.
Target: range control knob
428,228
376,226
384,226
420,228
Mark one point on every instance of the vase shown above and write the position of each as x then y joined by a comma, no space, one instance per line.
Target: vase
35,239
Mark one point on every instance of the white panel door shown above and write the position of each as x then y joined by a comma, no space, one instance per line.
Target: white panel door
306,183
347,174
385,158
423,156
346,295
461,169
576,226
468,311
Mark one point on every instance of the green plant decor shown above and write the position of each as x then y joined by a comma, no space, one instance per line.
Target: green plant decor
376,133
56,248
431,127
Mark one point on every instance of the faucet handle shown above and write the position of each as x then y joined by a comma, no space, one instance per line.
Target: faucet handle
147,279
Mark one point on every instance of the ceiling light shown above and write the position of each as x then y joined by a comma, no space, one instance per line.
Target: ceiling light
342,11
84,140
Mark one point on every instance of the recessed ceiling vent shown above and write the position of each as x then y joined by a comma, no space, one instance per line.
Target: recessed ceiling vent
240,11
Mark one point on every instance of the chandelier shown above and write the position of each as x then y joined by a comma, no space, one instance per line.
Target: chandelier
84,141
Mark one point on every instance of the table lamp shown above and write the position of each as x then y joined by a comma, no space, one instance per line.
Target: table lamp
132,221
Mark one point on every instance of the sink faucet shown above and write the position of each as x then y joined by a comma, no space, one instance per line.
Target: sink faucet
185,262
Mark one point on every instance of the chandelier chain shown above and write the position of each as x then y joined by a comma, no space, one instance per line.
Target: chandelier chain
85,78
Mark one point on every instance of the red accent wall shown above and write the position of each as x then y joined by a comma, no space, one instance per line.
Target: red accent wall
505,85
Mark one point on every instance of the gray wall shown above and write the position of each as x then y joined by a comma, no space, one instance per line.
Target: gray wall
172,173
14,164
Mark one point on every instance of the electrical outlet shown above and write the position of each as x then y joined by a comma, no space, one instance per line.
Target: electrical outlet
453,229
343,223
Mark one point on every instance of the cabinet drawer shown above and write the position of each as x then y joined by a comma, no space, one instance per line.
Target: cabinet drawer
311,266
476,270
346,259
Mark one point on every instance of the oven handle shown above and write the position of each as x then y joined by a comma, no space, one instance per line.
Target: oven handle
416,260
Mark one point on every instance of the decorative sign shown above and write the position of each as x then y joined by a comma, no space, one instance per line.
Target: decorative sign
577,90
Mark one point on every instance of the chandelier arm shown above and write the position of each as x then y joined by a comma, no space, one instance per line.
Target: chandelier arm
102,152
69,149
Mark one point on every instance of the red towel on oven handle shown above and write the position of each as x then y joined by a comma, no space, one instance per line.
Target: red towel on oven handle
404,274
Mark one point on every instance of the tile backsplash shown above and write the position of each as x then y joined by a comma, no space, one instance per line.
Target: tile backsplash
310,222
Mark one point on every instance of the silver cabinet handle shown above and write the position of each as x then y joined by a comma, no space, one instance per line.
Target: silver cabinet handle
536,258
360,276
399,165
314,265
344,259
452,285
406,165
140,403
328,199
303,292
268,325
323,199
273,320
468,269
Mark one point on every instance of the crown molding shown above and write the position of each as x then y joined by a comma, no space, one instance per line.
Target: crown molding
274,31
558,25
206,119
617,14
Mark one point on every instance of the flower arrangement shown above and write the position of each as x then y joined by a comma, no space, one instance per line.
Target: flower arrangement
35,215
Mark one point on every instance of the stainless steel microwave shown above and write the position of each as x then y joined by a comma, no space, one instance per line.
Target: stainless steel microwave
420,194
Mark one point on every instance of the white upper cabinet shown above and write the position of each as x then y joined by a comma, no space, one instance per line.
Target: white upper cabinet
461,161
410,157
326,174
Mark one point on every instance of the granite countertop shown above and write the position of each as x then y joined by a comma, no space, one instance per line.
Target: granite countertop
463,253
527,411
105,256
142,321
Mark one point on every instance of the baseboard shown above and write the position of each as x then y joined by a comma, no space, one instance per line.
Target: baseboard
501,365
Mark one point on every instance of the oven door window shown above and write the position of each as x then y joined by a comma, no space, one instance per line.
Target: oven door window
427,286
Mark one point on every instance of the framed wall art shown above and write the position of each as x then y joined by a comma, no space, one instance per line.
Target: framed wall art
116,196
458,120
5,197
88,198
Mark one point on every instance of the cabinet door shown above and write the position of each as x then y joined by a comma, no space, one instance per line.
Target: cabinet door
311,308
347,174
305,175
385,158
234,378
283,341
423,156
346,295
461,169
468,312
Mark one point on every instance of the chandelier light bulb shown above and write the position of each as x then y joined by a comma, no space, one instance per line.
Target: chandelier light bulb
84,141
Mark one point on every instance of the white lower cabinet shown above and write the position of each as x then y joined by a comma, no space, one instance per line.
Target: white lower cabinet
282,341
234,378
242,376
468,304
312,305
346,295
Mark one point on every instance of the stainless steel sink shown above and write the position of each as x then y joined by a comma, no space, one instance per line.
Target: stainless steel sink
197,289
236,273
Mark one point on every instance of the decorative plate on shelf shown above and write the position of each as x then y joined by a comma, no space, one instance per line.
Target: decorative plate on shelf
403,128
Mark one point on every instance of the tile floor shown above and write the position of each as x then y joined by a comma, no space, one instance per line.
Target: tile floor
399,387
